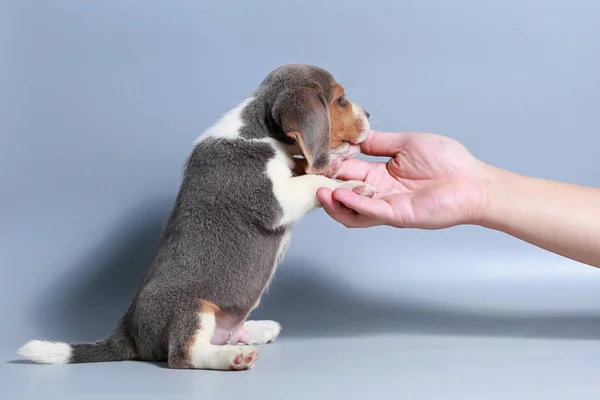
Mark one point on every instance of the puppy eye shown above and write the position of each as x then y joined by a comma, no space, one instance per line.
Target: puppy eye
341,101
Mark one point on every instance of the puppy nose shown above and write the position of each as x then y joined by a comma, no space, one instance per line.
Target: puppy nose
367,114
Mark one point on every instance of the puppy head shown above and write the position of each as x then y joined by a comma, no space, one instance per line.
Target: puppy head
310,108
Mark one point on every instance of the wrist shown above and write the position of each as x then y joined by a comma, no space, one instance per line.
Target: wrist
495,183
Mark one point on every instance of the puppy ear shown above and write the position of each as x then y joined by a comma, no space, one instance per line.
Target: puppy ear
304,117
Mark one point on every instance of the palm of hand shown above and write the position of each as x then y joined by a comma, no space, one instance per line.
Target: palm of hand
429,184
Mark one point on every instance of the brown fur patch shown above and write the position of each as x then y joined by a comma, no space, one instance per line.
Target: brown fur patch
300,141
132,354
182,359
208,307
179,363
345,126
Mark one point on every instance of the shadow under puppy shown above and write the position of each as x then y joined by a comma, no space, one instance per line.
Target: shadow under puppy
230,227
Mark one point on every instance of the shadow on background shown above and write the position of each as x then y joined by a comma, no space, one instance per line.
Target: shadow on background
309,304
99,288
88,301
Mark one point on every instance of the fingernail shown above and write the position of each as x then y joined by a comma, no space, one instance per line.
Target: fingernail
335,163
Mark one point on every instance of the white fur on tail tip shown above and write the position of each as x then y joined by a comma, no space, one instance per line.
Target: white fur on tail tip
45,352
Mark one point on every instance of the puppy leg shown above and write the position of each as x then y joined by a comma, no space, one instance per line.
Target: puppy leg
189,349
298,195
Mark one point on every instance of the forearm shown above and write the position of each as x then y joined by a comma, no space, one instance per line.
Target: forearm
560,217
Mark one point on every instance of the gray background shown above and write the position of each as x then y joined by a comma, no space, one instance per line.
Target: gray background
100,104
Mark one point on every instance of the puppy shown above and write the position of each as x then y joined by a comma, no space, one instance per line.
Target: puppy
230,227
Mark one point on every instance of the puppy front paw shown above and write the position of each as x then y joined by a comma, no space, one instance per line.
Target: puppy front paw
362,188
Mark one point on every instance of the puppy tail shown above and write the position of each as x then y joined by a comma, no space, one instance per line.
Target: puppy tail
115,348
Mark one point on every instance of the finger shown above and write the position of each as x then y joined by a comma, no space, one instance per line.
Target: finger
385,143
374,208
354,169
342,214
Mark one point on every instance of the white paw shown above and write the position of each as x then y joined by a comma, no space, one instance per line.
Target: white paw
262,332
365,188
242,358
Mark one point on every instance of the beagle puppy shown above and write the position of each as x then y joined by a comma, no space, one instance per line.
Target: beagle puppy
230,227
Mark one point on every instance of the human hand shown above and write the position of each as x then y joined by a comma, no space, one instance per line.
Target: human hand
430,182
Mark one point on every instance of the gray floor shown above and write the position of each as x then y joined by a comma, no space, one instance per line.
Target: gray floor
528,341
390,366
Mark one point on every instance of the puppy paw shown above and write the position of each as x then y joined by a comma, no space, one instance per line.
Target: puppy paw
262,332
243,358
362,188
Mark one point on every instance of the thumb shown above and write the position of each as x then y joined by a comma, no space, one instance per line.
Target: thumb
385,144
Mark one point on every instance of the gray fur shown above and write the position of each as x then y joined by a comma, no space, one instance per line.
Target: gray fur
220,242
294,98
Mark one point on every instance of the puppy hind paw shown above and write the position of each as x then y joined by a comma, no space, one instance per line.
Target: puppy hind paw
243,358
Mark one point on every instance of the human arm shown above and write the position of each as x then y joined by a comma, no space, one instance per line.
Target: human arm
433,182
560,217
